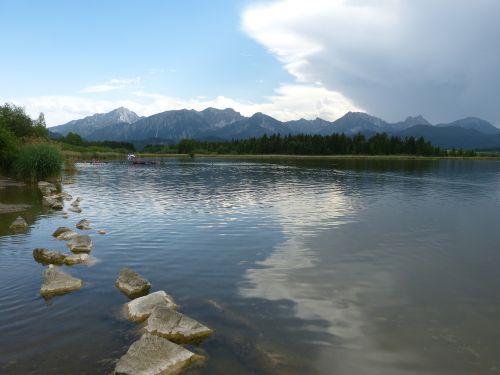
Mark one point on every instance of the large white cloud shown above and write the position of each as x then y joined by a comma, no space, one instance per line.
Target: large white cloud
289,102
391,57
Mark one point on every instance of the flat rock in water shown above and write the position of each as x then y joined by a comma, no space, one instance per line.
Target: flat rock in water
75,209
48,256
83,224
57,282
141,308
19,224
153,355
76,259
100,231
175,326
80,244
47,188
66,236
131,283
60,231
52,202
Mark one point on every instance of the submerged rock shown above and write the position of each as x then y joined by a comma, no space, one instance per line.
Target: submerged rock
83,224
60,231
47,188
175,326
19,224
66,236
56,281
76,259
75,209
100,231
52,202
48,257
153,355
80,244
131,283
141,308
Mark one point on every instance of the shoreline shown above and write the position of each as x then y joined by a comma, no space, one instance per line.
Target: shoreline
354,157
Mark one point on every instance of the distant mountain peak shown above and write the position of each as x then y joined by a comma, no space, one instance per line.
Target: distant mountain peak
90,124
416,120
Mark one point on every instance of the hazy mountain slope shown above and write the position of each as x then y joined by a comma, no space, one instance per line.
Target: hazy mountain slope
255,126
474,123
452,136
216,124
408,123
356,122
304,126
90,124
171,125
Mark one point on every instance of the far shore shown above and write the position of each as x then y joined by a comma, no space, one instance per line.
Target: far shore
115,156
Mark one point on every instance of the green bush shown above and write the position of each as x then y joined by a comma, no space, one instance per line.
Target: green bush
8,149
38,162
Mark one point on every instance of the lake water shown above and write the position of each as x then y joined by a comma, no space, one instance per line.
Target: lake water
300,266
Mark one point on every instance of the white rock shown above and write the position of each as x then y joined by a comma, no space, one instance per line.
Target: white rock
83,224
175,326
131,283
19,224
80,244
57,282
140,308
153,355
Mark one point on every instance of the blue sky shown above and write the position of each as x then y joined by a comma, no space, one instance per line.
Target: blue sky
183,48
287,58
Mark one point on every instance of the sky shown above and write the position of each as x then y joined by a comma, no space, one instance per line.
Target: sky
286,58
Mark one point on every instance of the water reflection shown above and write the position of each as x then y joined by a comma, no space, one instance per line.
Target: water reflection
300,266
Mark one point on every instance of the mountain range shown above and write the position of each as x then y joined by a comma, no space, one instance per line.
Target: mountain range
122,124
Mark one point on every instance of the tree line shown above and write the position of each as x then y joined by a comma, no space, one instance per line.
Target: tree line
305,144
76,140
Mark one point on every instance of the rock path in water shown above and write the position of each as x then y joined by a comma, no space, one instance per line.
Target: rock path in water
132,284
158,350
56,282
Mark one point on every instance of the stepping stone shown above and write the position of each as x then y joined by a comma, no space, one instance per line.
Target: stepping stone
46,188
80,244
60,231
48,257
75,209
76,259
58,282
153,355
175,326
141,308
19,224
83,224
52,202
66,236
132,284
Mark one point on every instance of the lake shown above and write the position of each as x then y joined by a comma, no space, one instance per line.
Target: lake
324,266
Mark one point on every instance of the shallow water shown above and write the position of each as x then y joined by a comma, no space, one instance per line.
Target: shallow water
300,266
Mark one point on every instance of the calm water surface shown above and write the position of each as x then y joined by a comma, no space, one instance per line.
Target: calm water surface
301,267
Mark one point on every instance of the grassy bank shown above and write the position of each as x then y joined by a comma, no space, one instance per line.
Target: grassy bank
25,150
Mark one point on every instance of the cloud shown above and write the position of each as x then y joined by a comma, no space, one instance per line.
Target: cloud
289,102
391,57
112,85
